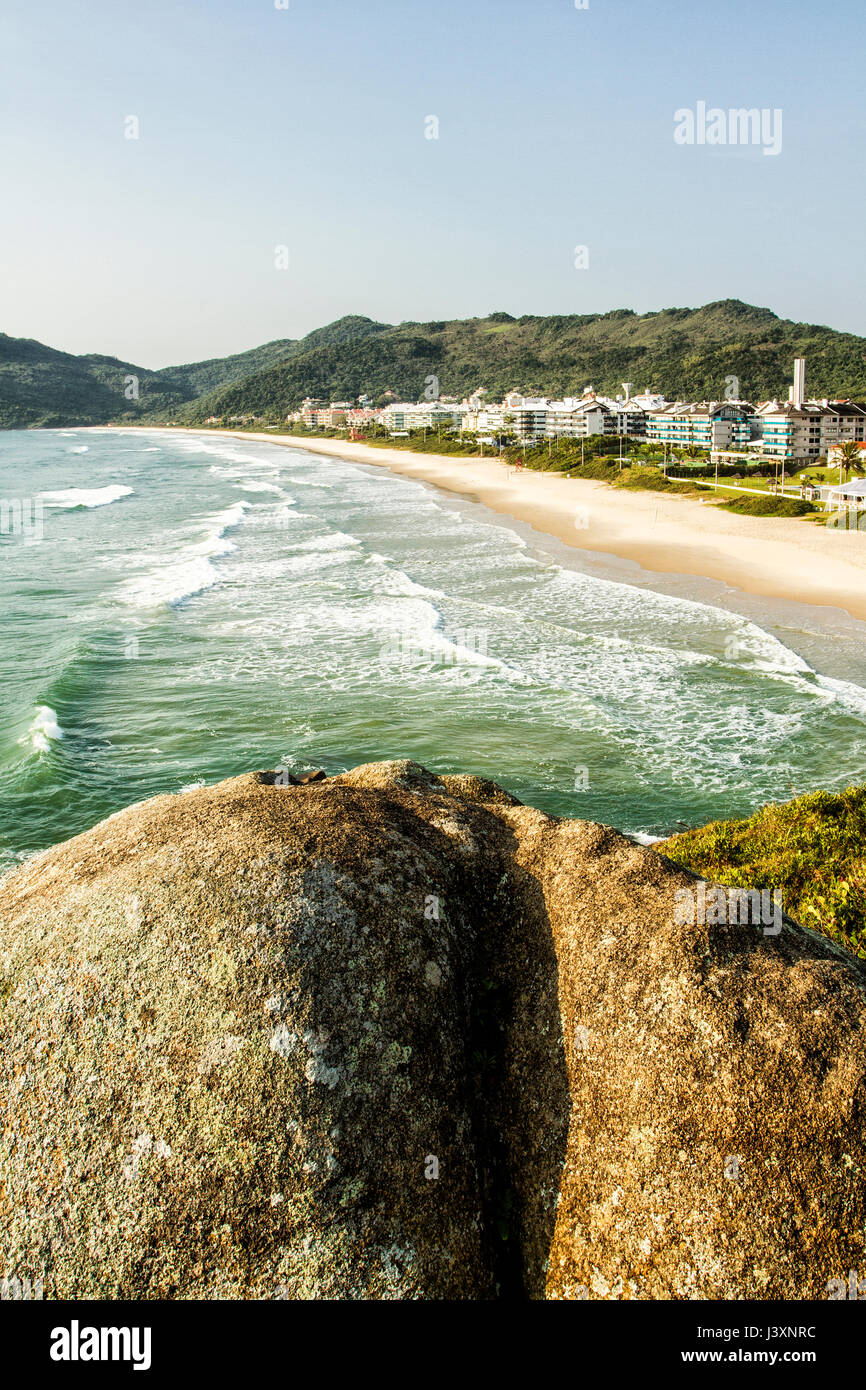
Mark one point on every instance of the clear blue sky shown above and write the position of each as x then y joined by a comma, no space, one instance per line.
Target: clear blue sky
305,127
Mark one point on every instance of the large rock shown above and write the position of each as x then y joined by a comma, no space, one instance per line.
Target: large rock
390,1035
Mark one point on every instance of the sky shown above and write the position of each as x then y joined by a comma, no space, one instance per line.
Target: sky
284,167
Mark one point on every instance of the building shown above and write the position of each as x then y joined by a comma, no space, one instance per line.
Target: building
578,419
362,416
488,419
798,430
526,416
799,433
850,496
424,415
710,425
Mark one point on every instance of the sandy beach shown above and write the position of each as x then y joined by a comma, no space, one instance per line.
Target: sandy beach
776,557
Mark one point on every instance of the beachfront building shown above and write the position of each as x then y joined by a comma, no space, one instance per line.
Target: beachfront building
486,419
799,433
574,417
319,415
578,419
422,415
847,497
710,425
630,412
529,415
789,432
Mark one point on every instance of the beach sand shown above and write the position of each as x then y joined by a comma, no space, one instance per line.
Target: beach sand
775,557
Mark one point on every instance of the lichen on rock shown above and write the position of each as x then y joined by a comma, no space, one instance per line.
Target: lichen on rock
390,1035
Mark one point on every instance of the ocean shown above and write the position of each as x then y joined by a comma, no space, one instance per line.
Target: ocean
177,609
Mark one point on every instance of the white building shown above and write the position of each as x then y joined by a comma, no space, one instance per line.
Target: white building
710,425
423,415
800,430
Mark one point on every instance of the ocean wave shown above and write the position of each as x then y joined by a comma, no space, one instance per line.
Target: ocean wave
179,576
335,540
75,498
252,485
851,697
44,730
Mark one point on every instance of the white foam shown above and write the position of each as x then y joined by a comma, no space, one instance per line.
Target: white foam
251,485
182,575
70,498
337,540
44,730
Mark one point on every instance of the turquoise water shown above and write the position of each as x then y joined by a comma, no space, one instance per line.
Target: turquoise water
196,607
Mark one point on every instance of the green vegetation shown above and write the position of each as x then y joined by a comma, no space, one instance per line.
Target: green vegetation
850,456
771,505
812,848
40,386
686,353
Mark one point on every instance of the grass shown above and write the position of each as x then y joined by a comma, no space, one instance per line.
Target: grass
651,480
770,505
812,848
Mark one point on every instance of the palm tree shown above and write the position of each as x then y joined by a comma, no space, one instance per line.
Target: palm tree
850,456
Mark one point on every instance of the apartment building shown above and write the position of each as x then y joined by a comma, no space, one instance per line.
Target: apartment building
798,430
424,415
801,432
710,425
486,419
578,419
527,415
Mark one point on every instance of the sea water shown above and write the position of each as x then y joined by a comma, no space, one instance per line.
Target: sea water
191,607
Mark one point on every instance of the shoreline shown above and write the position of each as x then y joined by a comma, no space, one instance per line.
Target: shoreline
771,557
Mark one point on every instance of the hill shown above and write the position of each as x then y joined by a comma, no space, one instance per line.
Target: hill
682,352
687,353
41,386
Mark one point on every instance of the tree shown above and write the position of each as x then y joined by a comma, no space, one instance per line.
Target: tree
850,456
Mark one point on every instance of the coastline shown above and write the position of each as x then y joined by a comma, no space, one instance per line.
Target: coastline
772,557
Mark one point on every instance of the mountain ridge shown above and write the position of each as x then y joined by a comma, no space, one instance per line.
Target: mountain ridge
682,352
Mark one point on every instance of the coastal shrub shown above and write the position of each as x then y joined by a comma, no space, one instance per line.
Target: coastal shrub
768,506
813,849
595,470
646,479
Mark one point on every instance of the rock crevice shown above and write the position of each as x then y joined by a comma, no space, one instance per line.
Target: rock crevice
394,1035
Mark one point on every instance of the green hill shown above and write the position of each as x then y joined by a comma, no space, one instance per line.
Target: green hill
197,378
681,352
685,353
41,386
